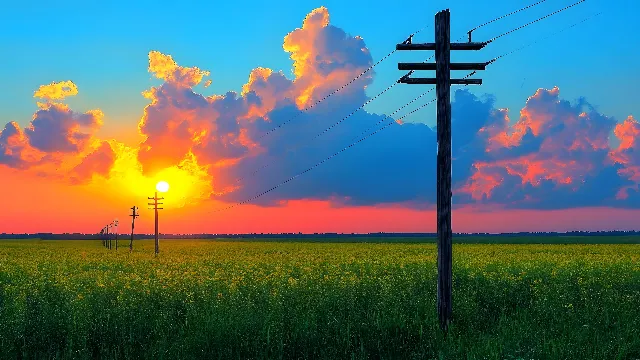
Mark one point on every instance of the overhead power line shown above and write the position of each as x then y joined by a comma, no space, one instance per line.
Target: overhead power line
255,197
535,21
544,38
338,89
408,40
506,15
492,21
305,142
296,146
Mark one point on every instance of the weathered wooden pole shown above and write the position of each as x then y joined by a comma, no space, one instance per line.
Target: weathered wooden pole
115,222
156,208
108,237
443,82
443,95
157,239
133,222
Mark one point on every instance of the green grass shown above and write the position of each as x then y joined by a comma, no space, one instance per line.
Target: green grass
240,300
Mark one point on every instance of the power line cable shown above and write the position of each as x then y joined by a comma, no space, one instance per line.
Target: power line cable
305,142
408,40
340,88
389,124
535,21
544,38
506,15
494,20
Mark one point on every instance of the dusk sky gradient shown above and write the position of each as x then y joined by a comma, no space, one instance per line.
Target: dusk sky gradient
99,102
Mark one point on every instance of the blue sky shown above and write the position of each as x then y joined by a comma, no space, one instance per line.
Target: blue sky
102,47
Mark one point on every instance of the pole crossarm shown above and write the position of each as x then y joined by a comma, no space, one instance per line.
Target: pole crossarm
432,46
433,81
452,66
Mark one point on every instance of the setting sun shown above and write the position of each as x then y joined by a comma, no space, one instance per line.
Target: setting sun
162,186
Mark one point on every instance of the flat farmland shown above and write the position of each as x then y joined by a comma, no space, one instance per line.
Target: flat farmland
338,300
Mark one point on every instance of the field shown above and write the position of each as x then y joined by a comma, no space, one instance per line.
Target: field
241,300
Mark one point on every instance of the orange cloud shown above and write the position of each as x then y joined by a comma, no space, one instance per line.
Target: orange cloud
56,128
551,141
15,150
627,153
164,67
98,162
55,136
181,127
325,58
56,90
270,87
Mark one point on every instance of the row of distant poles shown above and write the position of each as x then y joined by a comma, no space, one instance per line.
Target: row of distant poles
107,240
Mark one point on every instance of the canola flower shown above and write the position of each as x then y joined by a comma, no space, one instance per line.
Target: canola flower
206,299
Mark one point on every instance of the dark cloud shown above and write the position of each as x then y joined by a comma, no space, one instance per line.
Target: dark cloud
14,147
55,137
56,128
556,155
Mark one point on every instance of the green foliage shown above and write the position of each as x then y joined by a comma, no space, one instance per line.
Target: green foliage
241,300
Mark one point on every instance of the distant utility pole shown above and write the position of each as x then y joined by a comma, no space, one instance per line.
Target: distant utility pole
115,223
133,222
443,83
155,204
108,237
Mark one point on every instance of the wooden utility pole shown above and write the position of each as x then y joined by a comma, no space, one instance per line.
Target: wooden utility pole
155,204
133,222
108,237
115,223
443,82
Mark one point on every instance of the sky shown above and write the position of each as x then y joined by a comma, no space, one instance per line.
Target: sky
236,108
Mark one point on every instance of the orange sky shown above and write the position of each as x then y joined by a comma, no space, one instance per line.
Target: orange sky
49,206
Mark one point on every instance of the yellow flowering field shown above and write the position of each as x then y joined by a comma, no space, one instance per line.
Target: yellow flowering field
259,300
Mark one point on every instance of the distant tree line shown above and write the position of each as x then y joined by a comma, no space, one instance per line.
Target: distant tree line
81,236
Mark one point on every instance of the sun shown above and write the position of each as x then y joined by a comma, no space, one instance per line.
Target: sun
162,186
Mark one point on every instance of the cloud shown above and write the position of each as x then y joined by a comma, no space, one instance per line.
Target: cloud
56,137
15,150
556,155
98,162
627,154
56,128
56,90
553,154
325,58
225,132
164,67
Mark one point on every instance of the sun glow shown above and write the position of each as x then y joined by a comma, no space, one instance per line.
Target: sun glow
190,182
162,186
